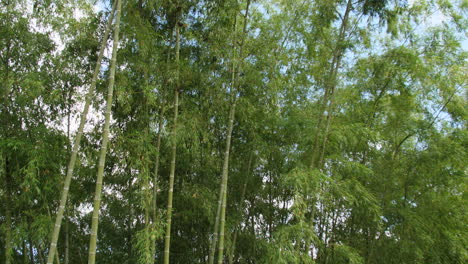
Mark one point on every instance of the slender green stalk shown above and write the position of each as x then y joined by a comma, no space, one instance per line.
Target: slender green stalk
225,172
214,240
241,207
329,103
222,220
76,144
6,85
232,111
155,177
67,208
158,148
147,190
25,251
167,241
39,253
105,139
67,241
6,89
57,260
8,237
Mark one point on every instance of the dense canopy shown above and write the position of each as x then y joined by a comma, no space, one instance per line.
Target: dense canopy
233,131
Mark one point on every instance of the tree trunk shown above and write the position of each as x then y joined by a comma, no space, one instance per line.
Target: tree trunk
76,145
105,139
167,241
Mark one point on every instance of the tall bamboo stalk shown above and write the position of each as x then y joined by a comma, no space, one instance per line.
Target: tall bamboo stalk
76,144
6,89
328,103
158,146
8,237
222,220
105,139
67,208
328,98
67,241
214,240
232,111
241,208
155,177
167,241
147,193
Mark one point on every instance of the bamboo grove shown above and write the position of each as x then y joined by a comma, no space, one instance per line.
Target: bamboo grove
233,131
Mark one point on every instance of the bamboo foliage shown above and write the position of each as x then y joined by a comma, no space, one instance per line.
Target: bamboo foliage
336,129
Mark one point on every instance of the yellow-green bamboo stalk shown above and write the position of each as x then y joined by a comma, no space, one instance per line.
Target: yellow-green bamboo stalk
167,241
105,139
158,148
8,237
241,208
232,111
328,100
222,220
76,144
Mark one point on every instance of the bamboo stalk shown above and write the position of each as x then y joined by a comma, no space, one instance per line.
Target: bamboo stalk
167,241
105,139
232,111
76,144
